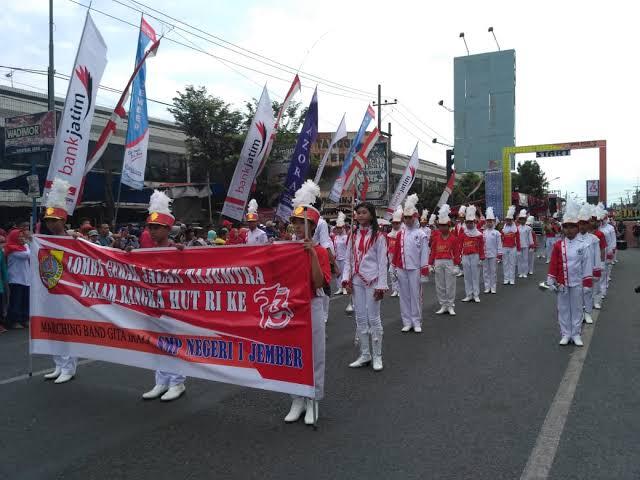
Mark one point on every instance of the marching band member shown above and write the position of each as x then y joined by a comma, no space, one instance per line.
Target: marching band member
570,272
365,275
526,243
552,234
472,250
458,229
510,247
532,250
424,224
444,259
396,225
169,386
410,261
593,245
55,216
492,252
610,236
255,236
340,239
602,249
305,212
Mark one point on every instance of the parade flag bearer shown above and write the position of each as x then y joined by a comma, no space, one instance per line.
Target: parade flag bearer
444,260
510,247
169,386
365,275
492,252
570,274
305,212
526,244
55,216
472,250
410,261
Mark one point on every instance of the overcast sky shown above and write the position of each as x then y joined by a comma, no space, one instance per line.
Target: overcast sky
576,64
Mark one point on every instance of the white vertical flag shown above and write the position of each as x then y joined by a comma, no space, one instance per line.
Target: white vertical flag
405,183
69,154
253,150
341,132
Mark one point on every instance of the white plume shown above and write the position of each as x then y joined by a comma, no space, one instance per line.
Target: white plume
443,213
571,212
523,213
306,194
411,201
425,215
529,220
462,210
489,214
340,220
470,212
511,212
432,219
253,206
585,212
159,202
600,211
57,197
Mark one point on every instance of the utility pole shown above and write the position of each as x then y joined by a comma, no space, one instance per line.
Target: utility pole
379,104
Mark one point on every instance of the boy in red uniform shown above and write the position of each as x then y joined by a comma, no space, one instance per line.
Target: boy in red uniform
444,259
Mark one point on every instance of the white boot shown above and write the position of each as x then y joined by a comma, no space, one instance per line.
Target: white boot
365,352
476,299
310,403
468,298
376,341
441,311
296,410
451,311
405,329
63,378
173,393
338,292
588,318
344,291
577,341
349,308
155,392
55,374
564,340
493,290
487,290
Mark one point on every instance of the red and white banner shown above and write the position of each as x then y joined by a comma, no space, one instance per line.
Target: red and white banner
253,150
233,314
69,154
448,189
404,185
361,158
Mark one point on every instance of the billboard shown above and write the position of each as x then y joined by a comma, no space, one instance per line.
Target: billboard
376,173
593,191
484,108
29,133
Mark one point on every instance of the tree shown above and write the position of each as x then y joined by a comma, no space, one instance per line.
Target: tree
530,179
463,188
430,195
214,133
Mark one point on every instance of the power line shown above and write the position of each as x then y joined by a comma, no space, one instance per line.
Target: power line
435,132
261,58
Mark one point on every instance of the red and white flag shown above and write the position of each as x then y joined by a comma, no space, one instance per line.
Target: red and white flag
253,151
69,155
361,159
404,185
448,189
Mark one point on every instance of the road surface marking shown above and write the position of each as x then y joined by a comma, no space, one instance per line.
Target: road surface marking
38,373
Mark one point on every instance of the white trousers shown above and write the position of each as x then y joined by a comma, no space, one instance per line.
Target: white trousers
395,286
410,297
490,272
532,260
471,268
366,308
587,299
549,241
596,290
326,302
67,365
523,261
604,280
338,276
168,378
509,264
445,283
570,311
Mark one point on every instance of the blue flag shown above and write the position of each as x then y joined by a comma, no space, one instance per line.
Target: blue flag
300,160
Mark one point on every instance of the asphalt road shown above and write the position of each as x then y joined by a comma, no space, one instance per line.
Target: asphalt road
466,399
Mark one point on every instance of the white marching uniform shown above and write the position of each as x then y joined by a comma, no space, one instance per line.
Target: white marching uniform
366,269
532,253
509,254
411,256
256,237
340,247
570,271
526,240
610,236
471,262
321,237
492,250
593,245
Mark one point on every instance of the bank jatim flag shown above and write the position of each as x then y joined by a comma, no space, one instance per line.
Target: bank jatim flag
404,185
234,314
69,154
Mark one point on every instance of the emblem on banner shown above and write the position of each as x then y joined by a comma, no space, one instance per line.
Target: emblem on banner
50,266
274,306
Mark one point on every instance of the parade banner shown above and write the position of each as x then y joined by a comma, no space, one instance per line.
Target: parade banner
300,160
69,154
29,133
137,140
341,182
234,314
404,185
250,158
340,133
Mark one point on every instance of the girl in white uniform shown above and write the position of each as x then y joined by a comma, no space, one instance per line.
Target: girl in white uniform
365,275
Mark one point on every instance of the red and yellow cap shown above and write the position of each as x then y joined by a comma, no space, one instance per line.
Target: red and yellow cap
158,218
251,217
313,215
55,213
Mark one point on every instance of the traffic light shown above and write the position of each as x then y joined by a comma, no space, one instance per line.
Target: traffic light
450,159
